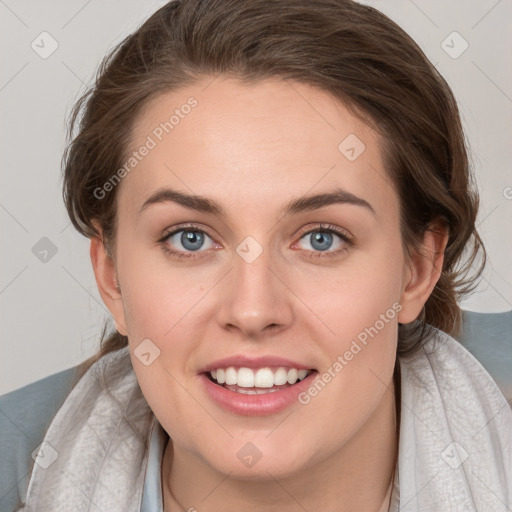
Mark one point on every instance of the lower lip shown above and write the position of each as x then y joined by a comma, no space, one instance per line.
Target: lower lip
255,405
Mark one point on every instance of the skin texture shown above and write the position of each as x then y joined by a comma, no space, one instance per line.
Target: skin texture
253,148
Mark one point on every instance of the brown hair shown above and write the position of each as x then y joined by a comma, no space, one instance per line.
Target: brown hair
352,51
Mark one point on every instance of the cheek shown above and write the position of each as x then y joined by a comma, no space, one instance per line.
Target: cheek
156,294
356,295
360,344
358,331
360,338
162,305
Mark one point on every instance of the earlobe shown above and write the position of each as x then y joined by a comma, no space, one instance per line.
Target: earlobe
106,280
422,273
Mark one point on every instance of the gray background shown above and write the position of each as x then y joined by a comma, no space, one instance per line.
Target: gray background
51,311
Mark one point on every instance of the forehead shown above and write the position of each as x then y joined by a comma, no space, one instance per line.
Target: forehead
254,144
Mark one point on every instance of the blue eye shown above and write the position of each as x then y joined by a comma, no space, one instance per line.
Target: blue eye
324,241
190,239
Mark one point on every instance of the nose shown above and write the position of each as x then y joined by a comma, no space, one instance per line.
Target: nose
255,299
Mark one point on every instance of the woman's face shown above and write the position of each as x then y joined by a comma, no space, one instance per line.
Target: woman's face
292,259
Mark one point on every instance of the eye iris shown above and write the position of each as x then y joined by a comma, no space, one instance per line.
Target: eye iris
321,236
191,237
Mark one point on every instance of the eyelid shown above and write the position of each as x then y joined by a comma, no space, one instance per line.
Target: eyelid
183,227
322,226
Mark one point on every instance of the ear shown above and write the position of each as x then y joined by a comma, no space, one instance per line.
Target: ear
422,272
106,280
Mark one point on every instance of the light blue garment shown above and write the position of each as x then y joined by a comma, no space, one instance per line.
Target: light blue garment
152,498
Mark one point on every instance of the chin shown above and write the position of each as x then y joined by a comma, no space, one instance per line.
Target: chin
260,459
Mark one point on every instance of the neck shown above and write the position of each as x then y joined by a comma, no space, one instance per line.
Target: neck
355,477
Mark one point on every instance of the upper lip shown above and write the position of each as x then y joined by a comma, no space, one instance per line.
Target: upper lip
244,361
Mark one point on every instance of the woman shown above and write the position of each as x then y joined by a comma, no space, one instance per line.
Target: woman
278,199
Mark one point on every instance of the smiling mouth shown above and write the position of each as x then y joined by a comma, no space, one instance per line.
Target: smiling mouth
257,382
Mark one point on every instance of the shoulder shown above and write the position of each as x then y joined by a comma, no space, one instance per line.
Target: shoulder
25,415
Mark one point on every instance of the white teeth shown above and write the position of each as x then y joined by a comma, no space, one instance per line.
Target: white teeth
302,374
245,378
281,376
231,376
293,375
262,378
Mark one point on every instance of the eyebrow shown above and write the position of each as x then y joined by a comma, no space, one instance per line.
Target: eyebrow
302,204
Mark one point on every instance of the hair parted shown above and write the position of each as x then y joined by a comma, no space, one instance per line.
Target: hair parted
352,51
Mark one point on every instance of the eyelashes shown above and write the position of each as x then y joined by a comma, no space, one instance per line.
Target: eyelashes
323,232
